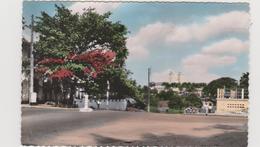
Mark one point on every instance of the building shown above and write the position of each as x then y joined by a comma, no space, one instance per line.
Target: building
232,101
180,91
158,86
163,106
25,81
199,91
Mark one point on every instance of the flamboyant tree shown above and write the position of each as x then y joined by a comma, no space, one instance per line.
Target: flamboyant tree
85,46
84,66
88,64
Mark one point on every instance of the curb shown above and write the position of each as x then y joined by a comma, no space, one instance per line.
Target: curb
48,107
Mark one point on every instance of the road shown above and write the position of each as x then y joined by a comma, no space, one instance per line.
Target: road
41,126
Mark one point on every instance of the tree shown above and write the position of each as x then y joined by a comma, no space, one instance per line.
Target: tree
82,46
244,83
244,80
167,85
121,85
166,95
211,89
180,102
176,102
192,100
66,32
86,65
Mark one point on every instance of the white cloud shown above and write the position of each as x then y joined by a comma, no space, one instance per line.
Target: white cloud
152,33
200,77
100,7
162,76
139,44
196,67
234,21
202,61
233,45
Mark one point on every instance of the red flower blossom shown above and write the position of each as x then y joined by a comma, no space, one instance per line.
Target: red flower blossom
61,74
87,70
110,55
94,75
98,59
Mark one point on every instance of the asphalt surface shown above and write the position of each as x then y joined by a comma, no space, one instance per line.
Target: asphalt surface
42,126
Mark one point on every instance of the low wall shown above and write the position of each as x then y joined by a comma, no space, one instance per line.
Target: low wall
120,104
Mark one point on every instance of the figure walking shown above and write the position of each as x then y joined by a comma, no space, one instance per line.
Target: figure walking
98,104
207,110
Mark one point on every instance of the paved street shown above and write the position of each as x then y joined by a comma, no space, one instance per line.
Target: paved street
41,126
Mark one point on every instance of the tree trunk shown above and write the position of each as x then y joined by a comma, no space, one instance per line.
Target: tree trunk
72,91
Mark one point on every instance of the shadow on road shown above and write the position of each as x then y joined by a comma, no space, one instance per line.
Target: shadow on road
231,139
224,127
105,140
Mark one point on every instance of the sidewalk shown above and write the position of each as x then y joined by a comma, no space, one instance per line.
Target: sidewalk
222,114
231,114
46,107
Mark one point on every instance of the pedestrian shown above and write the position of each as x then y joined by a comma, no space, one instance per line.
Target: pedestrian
98,103
207,110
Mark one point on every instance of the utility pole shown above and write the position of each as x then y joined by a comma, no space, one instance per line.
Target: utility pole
148,96
32,98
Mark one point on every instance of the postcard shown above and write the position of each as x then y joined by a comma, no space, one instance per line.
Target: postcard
135,73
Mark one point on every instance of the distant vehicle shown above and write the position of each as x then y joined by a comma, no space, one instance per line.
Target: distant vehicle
191,110
135,103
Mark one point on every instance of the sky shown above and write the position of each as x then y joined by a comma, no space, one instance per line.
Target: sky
202,41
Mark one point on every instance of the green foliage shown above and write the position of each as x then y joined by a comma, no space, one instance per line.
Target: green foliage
192,100
166,95
154,100
187,85
180,102
176,102
25,53
120,84
244,83
76,68
175,111
66,32
244,79
154,109
211,89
